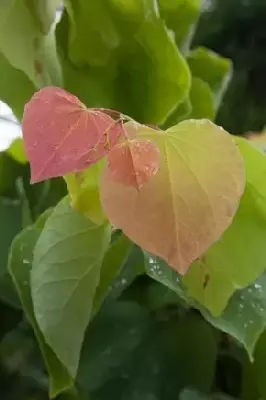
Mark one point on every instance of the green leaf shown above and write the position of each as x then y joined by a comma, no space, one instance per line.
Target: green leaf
245,315
201,99
16,151
83,188
10,170
110,340
15,87
180,16
258,367
237,259
215,70
24,46
112,266
43,12
168,357
10,217
190,394
20,264
135,65
64,277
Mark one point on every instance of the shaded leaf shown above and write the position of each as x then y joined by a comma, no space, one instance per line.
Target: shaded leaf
64,277
237,259
190,201
62,136
110,340
113,264
134,162
25,47
15,87
20,264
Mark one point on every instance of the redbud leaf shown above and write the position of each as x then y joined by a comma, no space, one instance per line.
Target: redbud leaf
190,202
62,136
134,162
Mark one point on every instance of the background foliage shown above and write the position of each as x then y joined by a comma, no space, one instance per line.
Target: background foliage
152,335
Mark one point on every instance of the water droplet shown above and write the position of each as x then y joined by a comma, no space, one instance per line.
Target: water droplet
124,281
25,261
241,305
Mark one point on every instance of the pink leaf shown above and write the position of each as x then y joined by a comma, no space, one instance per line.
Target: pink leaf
134,162
62,135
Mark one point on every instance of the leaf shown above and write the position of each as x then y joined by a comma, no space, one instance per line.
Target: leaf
110,340
190,394
25,47
16,151
118,41
202,101
113,263
245,315
10,217
237,259
77,137
134,162
152,369
43,12
64,278
83,188
215,70
192,199
20,263
180,16
15,87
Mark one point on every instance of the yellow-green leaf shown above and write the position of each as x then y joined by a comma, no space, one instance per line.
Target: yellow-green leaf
191,200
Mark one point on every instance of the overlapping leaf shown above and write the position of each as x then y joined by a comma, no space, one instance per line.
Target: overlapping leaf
20,264
134,162
64,277
191,200
25,46
237,259
63,136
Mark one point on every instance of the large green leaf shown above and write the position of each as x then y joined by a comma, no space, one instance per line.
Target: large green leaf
24,45
64,277
168,357
20,264
125,56
237,259
110,340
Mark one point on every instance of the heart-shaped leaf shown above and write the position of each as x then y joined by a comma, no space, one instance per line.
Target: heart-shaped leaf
191,200
134,162
62,136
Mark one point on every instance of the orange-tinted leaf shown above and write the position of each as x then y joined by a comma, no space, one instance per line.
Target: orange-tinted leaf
134,162
62,135
190,202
